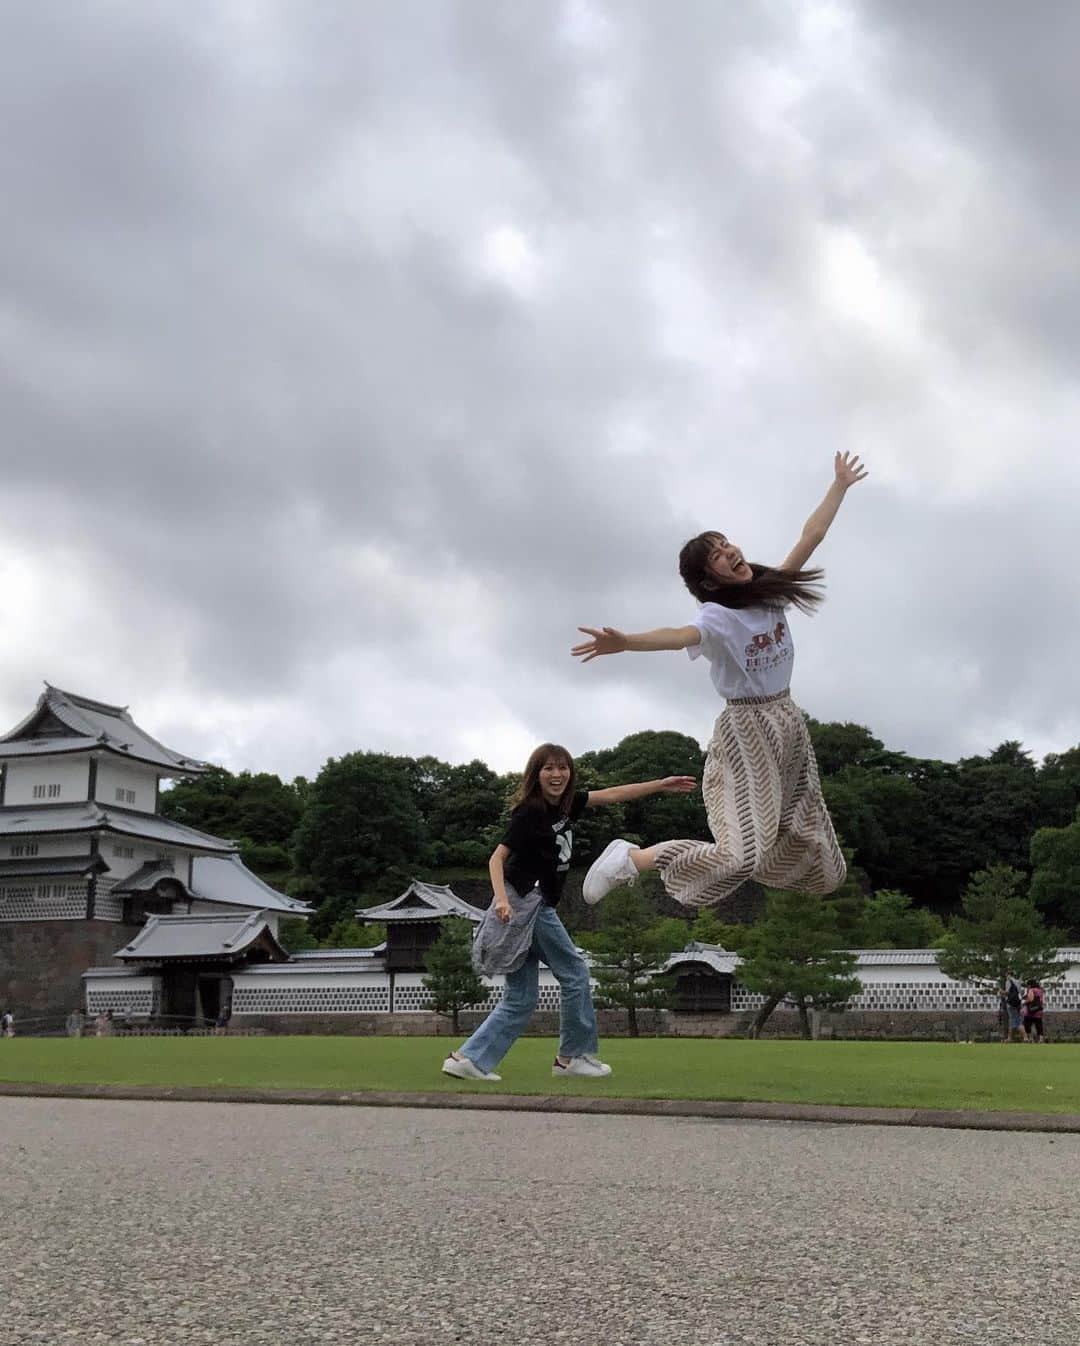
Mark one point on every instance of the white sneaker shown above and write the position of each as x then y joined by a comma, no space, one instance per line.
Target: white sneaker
464,1069
610,870
590,1066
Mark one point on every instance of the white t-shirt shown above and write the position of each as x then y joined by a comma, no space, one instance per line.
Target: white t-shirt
749,649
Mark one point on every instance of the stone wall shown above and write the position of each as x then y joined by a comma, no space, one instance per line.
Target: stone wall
862,1025
612,1023
42,962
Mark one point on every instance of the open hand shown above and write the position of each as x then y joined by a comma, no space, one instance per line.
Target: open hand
605,641
677,785
848,469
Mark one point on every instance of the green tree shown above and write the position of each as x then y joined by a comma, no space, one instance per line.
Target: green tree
837,746
1000,800
882,816
272,863
451,978
1000,931
889,921
361,827
1055,855
1059,787
629,951
708,928
259,808
294,935
792,954
349,933
649,755
460,806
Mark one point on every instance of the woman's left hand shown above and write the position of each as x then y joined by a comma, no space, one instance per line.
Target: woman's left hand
848,469
677,785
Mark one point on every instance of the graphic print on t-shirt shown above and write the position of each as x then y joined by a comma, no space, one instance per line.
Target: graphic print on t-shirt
564,839
768,650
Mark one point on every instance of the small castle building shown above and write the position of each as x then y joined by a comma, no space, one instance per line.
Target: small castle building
86,859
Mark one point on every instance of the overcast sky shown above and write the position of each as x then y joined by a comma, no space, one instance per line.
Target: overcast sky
352,355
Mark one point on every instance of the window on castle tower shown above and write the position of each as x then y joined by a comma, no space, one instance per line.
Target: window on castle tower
47,791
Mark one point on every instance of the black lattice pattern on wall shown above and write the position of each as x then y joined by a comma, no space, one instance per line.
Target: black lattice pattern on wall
139,1001
42,901
311,999
928,996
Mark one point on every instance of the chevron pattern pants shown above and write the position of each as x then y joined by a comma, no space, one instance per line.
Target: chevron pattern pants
765,810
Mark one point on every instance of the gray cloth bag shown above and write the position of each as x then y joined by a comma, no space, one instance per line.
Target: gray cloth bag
500,947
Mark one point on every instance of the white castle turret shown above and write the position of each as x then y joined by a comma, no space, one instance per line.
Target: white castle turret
83,849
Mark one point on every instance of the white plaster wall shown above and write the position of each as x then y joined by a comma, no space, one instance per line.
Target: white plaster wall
72,843
72,774
922,974
113,775
120,866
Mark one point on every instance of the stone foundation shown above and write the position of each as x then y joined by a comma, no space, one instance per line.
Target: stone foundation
42,962
864,1025
544,1024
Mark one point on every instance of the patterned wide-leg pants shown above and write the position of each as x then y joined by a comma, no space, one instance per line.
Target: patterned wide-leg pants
765,810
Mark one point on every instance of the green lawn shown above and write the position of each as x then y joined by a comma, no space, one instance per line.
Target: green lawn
896,1074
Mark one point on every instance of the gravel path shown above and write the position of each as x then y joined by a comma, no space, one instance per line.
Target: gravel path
149,1224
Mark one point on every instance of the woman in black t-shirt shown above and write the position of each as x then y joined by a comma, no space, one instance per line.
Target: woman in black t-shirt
535,853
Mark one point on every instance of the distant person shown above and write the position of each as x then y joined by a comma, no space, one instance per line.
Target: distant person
535,854
75,1021
1034,1003
1011,1000
103,1024
762,791
7,1024
221,1023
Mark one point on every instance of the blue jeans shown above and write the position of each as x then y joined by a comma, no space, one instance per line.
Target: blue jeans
510,1017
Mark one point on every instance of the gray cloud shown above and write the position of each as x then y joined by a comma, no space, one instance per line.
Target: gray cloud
350,357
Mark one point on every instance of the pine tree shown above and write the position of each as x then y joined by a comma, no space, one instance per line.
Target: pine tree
1000,931
629,950
451,979
792,954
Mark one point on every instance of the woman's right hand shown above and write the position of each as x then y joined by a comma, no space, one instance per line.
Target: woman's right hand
502,909
606,640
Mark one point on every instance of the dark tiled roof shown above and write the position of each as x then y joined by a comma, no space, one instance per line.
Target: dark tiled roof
90,724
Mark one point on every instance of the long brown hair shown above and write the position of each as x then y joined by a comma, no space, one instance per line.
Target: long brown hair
529,792
771,587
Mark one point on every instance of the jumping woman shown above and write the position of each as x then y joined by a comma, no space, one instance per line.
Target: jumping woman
762,794
528,867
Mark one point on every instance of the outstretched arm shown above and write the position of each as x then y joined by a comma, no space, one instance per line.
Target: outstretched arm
607,640
619,794
848,471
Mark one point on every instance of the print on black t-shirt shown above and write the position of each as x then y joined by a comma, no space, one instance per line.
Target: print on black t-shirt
540,840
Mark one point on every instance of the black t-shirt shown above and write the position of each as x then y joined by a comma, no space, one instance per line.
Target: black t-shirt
541,841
